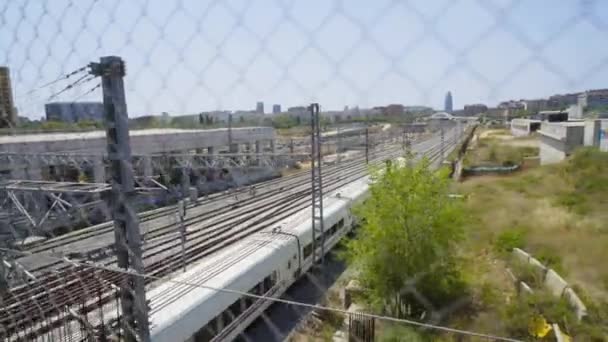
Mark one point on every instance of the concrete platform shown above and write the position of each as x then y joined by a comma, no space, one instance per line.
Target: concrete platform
142,141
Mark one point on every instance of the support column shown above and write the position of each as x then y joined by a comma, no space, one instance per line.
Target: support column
33,170
147,166
234,148
18,172
272,150
258,150
258,146
99,170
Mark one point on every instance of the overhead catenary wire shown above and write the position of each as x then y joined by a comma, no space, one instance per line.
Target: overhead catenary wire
58,79
87,92
93,265
82,80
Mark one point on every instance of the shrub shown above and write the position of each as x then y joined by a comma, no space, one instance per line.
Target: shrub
551,259
509,239
401,333
524,310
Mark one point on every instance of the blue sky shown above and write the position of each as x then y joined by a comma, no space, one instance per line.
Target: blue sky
194,55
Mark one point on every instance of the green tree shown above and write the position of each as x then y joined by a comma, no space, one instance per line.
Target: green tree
408,233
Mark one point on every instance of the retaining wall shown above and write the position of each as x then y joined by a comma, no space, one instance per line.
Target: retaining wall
553,282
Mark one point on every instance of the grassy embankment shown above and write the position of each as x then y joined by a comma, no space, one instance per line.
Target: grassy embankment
558,214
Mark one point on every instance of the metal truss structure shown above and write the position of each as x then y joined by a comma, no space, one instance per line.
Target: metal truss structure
225,160
198,160
38,207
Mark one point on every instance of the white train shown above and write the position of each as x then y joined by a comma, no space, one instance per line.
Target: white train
267,263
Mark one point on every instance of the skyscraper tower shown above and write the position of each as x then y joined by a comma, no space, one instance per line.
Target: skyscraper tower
448,102
8,114
259,107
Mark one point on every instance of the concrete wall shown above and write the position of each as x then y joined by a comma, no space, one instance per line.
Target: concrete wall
551,150
603,135
521,127
553,282
559,139
592,133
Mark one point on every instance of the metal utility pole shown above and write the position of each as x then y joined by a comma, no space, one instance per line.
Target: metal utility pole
181,208
339,145
366,144
230,147
318,237
442,140
127,236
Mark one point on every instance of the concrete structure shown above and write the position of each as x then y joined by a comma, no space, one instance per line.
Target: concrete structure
559,139
553,115
449,105
143,142
276,109
596,133
8,112
259,107
524,127
74,111
440,120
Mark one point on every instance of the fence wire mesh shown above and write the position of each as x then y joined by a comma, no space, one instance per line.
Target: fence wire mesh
209,176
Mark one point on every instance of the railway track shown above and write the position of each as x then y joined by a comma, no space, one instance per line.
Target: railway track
207,233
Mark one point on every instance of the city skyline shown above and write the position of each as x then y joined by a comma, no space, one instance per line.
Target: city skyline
227,55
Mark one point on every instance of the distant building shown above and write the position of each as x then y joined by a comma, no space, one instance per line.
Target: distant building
593,98
297,109
564,101
536,105
276,109
511,104
449,105
418,109
474,109
259,108
394,110
74,111
8,112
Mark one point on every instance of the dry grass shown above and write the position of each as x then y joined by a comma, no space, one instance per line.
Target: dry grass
560,212
498,147
528,201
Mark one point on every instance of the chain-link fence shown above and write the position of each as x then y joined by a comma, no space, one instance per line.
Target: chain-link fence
157,155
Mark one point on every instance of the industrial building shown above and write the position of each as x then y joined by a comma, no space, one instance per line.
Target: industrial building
8,112
74,111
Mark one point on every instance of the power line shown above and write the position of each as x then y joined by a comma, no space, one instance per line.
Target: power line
87,92
83,79
60,78
276,300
